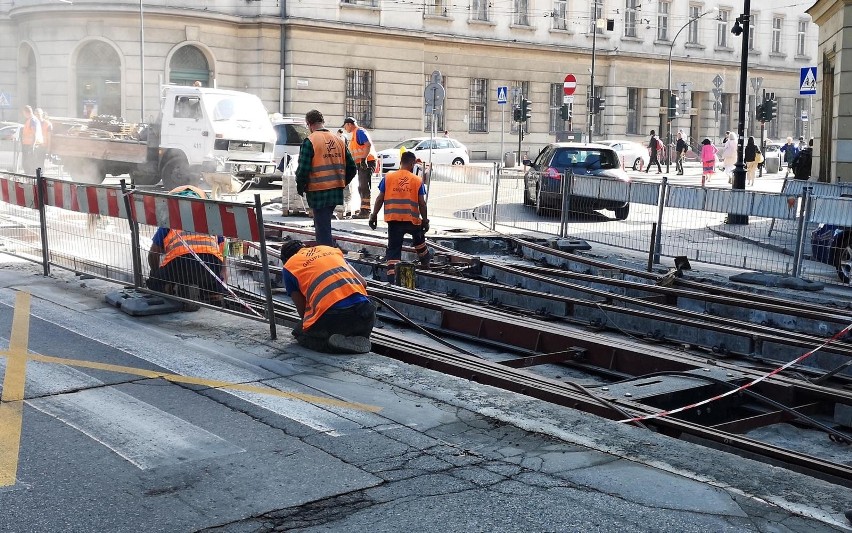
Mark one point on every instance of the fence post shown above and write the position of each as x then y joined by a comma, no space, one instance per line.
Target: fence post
567,191
661,206
267,282
136,252
494,190
41,194
804,220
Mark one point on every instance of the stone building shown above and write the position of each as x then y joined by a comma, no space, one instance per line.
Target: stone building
372,59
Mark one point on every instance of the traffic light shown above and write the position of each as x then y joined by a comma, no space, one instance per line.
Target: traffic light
516,114
565,112
673,111
760,112
601,104
526,109
770,109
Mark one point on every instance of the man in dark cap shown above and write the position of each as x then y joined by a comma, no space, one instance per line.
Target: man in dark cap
365,157
331,298
325,168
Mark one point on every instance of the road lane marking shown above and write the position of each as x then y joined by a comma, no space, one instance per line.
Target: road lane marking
11,400
190,380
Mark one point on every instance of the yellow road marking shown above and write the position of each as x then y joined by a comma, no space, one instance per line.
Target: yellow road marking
11,401
189,380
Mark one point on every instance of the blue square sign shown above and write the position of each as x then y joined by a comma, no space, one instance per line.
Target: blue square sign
502,92
807,80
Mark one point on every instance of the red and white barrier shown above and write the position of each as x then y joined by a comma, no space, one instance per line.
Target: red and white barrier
20,193
88,199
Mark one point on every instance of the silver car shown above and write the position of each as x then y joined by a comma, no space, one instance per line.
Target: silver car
632,154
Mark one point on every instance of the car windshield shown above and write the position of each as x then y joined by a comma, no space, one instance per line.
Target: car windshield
409,144
584,158
235,107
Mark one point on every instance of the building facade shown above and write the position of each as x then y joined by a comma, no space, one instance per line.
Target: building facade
372,59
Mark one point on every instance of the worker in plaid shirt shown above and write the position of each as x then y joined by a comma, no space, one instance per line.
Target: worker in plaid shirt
325,168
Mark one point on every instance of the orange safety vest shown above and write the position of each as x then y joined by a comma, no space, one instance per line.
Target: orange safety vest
31,132
324,279
200,244
328,167
402,197
361,151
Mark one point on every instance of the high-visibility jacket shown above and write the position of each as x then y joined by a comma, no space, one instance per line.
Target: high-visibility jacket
328,166
200,244
324,279
31,132
402,197
362,151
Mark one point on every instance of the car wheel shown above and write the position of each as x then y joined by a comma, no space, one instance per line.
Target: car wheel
175,172
622,212
458,161
843,258
637,164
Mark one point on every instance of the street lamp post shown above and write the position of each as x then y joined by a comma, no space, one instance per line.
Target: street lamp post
739,169
669,91
142,61
590,100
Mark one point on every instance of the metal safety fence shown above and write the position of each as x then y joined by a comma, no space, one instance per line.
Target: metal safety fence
781,233
124,235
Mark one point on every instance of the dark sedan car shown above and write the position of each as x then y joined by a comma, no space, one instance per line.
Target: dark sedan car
543,181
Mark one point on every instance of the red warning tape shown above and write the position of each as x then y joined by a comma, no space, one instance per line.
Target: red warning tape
804,356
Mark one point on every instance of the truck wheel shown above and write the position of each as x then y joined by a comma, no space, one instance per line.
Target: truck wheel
87,171
175,172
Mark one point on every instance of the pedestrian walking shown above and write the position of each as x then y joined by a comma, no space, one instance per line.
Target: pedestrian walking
790,152
802,163
330,297
709,155
31,140
404,197
325,168
681,147
655,146
752,157
365,157
729,155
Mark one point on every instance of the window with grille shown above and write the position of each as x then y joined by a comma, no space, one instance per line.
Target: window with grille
692,32
777,25
634,110
478,106
630,18
663,21
521,13
560,14
752,30
801,37
359,96
439,115
722,28
436,7
595,14
479,9
524,88
557,125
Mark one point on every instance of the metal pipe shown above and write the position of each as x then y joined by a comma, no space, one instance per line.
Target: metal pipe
661,206
264,261
142,61
41,192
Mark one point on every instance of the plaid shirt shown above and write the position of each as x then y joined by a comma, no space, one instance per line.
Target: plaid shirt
328,197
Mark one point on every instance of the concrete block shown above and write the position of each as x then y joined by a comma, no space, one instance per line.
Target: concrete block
136,303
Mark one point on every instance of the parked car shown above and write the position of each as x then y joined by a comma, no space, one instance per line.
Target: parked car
10,156
445,151
543,180
633,154
289,134
772,157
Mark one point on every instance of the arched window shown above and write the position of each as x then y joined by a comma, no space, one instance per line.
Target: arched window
98,80
188,65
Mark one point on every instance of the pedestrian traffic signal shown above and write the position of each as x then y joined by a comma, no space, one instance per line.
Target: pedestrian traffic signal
526,109
760,112
673,111
516,114
565,112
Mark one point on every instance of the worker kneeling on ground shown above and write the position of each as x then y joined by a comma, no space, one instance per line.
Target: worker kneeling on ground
187,264
404,196
331,298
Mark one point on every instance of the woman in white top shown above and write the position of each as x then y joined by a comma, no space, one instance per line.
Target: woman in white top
729,155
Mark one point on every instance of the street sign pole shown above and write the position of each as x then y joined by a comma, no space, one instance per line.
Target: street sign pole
502,129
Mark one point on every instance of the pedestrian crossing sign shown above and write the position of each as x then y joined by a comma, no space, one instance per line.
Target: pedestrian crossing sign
502,93
5,101
807,80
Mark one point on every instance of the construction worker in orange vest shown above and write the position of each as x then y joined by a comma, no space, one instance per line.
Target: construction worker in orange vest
404,197
325,168
365,157
186,264
31,140
330,297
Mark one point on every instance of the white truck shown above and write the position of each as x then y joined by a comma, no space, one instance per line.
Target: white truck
196,128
